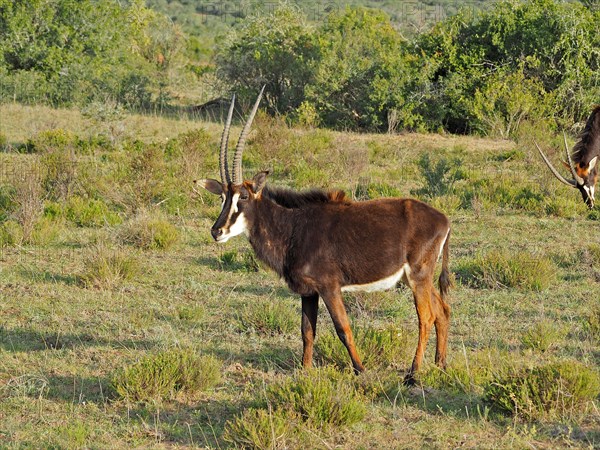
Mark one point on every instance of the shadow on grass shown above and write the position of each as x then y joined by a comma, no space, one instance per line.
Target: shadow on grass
24,340
197,424
50,277
77,389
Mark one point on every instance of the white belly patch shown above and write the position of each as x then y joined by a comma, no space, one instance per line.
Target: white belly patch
380,285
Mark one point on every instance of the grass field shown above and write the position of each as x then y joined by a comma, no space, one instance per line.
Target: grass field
123,325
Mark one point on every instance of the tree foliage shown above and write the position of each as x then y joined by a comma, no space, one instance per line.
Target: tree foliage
74,51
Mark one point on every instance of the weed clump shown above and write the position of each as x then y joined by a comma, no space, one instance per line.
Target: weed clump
378,347
269,317
502,269
149,231
542,336
320,397
592,323
561,389
164,375
11,233
107,268
261,429
317,399
90,212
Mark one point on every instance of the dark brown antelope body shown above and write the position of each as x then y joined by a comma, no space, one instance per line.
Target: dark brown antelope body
322,244
583,162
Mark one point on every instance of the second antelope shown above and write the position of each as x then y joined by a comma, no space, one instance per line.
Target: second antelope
585,155
323,244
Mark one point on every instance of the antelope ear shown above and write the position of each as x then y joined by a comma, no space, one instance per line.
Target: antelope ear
259,181
592,163
212,186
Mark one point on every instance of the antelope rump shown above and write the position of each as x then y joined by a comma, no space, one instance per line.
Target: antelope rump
583,162
322,244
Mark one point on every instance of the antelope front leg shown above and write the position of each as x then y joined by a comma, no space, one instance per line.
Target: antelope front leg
337,311
310,307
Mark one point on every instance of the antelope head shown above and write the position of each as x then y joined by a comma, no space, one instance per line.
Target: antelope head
237,195
584,175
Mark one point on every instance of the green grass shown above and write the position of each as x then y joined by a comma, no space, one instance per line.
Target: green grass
82,305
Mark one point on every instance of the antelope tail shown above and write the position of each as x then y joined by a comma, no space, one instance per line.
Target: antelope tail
444,282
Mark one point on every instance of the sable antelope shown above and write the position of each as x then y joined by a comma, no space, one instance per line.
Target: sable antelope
583,163
323,244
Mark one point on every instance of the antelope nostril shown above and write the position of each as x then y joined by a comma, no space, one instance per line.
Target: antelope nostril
216,232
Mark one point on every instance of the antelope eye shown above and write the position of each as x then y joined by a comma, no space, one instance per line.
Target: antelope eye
244,196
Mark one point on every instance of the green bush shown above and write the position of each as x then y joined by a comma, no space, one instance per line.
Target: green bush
149,231
49,141
90,212
164,375
320,397
542,336
502,269
260,429
592,322
11,233
107,268
439,177
268,317
233,261
562,389
469,373
378,348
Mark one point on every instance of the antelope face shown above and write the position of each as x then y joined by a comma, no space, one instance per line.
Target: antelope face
584,175
237,207
587,174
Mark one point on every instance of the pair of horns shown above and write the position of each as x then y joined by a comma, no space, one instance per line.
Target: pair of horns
239,148
577,180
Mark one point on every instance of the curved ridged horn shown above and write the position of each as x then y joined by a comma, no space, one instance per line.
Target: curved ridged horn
578,179
239,148
571,183
224,143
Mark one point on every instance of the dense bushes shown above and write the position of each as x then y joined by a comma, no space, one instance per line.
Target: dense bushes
73,52
483,72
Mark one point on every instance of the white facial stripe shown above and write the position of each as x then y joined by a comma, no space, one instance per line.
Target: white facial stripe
379,285
238,227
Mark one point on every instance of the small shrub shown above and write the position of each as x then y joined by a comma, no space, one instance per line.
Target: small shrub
90,212
149,231
260,429
542,336
51,140
556,390
268,317
45,231
320,397
107,268
501,269
60,173
377,347
28,201
468,374
592,323
375,190
11,233
439,177
191,314
162,376
307,115
234,262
